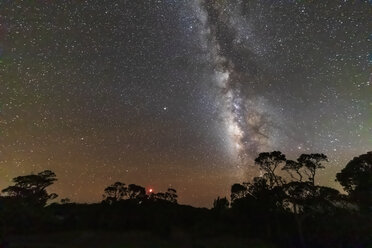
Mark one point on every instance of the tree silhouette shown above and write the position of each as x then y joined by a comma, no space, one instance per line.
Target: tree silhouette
136,192
269,162
119,191
157,196
220,204
238,191
305,167
270,195
169,196
356,179
305,200
304,197
115,192
289,212
31,189
312,162
294,168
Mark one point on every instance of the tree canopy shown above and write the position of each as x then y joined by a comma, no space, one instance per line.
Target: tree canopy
356,179
32,188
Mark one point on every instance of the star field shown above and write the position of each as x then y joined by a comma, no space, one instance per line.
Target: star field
180,93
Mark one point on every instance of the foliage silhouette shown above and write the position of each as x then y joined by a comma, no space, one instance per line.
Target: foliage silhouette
295,195
238,191
136,192
221,204
115,192
282,208
356,179
269,163
31,189
169,196
311,163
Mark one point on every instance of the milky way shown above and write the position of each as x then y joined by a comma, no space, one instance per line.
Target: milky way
180,93
236,115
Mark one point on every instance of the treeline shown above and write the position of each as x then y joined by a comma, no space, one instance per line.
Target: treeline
283,207
120,192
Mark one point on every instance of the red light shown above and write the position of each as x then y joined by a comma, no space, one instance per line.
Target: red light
150,190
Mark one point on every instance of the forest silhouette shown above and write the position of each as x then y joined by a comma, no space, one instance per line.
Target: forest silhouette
282,208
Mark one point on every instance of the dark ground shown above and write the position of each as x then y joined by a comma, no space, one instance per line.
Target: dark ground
102,239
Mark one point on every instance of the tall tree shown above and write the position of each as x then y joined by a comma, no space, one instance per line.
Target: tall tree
356,179
32,188
293,168
136,192
115,192
269,162
311,163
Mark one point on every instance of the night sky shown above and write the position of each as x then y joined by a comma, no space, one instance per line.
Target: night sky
180,93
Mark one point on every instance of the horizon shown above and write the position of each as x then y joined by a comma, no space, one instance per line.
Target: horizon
152,190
